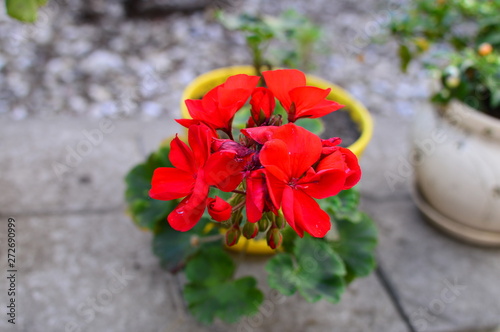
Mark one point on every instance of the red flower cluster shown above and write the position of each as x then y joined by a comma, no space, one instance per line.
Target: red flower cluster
273,166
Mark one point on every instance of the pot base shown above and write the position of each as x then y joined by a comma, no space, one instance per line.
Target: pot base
452,227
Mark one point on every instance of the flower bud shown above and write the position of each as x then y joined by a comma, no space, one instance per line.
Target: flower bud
485,49
219,209
274,238
280,221
263,104
263,224
232,236
250,230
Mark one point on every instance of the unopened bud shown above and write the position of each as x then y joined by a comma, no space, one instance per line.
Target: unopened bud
232,236
274,238
250,230
263,224
280,221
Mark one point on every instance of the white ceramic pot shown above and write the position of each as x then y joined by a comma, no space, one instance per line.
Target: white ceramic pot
457,171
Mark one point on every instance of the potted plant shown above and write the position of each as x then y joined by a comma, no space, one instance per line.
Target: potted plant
457,144
255,176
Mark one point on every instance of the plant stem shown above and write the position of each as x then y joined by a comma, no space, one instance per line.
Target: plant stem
239,206
236,191
211,238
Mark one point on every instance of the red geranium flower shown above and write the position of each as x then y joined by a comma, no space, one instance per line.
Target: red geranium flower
194,171
299,100
218,106
288,155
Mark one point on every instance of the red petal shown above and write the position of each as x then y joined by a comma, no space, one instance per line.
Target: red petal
322,109
280,82
224,170
242,81
219,209
275,188
200,139
171,183
260,134
309,216
289,210
306,97
190,210
262,101
353,169
324,184
275,158
187,122
181,156
303,146
256,194
230,101
195,109
334,160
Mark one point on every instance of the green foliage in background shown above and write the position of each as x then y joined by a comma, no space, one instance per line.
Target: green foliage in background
463,37
287,40
24,10
315,268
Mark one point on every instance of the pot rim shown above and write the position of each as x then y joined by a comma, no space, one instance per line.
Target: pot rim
462,115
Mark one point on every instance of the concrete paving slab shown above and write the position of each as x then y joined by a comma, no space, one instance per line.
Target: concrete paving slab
96,272
69,164
444,284
385,164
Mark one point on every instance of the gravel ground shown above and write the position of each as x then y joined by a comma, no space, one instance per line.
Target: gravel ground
113,66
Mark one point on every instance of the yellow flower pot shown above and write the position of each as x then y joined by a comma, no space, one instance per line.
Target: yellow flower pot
358,113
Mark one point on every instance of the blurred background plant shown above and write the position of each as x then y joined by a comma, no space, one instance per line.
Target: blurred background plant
461,41
24,10
287,40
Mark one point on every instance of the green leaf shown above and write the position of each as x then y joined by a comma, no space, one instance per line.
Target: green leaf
314,269
174,247
212,293
404,56
23,10
241,117
344,206
316,126
281,274
210,266
356,246
145,211
289,236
